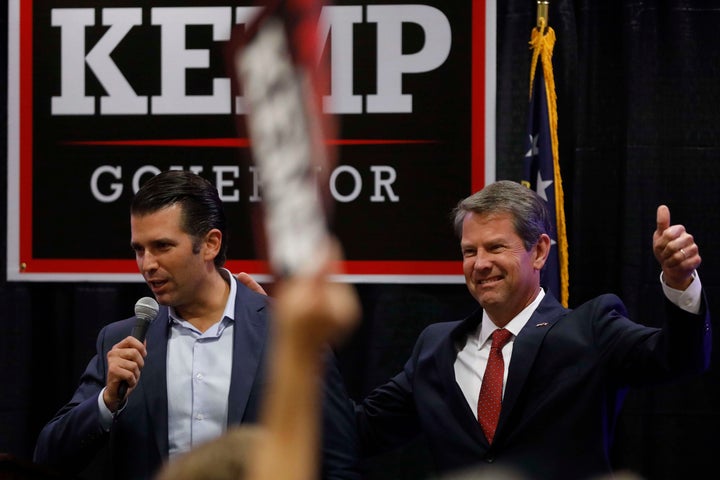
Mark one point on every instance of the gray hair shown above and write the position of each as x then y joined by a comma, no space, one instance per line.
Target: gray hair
528,211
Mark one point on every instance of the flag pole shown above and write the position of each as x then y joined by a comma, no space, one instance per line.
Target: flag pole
542,15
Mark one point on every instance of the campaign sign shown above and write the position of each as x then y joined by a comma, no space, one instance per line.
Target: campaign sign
105,94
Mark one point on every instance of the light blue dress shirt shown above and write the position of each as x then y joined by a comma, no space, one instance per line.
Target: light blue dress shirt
198,377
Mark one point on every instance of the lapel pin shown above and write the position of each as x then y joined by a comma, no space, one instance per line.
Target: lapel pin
543,324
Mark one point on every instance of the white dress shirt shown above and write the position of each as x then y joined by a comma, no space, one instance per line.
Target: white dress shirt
472,358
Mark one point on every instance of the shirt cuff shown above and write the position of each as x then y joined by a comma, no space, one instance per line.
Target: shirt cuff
106,416
688,299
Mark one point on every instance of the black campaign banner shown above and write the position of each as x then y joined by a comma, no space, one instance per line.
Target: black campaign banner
105,94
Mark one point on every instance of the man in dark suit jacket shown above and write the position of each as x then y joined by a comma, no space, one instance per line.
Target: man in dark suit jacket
564,370
202,367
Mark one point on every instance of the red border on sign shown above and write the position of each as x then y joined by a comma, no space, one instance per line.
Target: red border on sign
122,266
26,131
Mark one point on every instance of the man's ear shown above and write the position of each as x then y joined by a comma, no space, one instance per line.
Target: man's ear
213,241
541,250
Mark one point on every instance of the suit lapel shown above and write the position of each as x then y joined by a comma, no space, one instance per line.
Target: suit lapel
249,337
155,374
446,365
525,349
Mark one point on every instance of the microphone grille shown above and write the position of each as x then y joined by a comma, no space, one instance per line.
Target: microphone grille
146,309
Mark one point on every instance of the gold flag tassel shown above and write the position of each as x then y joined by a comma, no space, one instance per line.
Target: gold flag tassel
542,42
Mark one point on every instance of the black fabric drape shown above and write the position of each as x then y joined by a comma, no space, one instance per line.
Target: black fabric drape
638,84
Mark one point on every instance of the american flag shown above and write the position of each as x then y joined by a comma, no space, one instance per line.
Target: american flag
541,165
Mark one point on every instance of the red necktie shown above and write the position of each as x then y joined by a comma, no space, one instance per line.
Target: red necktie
491,390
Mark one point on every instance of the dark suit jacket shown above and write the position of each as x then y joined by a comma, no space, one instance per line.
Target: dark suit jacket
139,438
566,377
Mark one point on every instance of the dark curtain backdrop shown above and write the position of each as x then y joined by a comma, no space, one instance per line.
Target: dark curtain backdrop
638,85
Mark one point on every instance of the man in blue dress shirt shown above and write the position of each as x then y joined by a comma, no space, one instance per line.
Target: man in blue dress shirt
202,366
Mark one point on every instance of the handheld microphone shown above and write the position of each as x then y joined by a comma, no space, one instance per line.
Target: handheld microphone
146,309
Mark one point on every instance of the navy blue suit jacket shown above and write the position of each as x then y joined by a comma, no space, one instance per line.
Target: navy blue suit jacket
140,432
566,377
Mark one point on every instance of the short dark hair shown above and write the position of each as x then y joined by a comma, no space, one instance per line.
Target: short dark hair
202,209
529,212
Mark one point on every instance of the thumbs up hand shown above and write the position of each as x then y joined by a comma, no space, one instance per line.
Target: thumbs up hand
676,251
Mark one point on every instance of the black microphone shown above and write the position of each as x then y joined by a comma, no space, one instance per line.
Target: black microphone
146,309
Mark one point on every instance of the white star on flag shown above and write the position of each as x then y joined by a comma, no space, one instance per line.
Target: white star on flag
542,185
533,146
